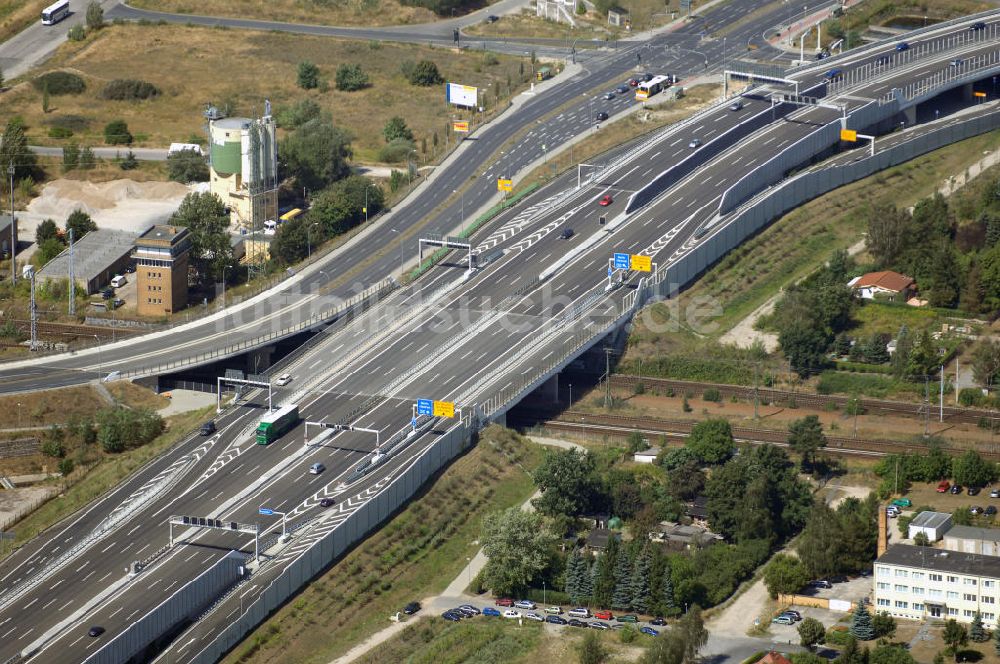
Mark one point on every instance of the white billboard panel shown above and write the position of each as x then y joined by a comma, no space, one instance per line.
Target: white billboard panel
462,95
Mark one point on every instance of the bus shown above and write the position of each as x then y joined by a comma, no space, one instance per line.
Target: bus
274,425
647,89
543,73
291,214
55,12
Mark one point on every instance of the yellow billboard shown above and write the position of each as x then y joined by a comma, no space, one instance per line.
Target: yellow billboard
641,263
462,127
444,409
505,184
848,135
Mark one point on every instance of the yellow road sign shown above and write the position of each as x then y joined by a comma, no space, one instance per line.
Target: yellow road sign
444,409
848,135
979,94
504,184
641,263
461,127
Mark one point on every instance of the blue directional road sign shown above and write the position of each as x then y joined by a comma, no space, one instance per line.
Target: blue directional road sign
425,407
266,511
621,261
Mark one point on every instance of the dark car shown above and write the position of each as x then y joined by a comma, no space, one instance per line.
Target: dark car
95,630
736,105
492,19
820,583
464,612
468,608
978,25
622,89
902,46
208,428
646,78
490,611
453,617
597,624
795,615
600,117
130,268
833,74
627,618
556,620
327,502
882,60
411,608
107,293
566,234
991,510
973,490
658,621
573,622
822,55
955,489
649,630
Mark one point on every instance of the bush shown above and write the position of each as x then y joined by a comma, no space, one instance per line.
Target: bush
60,132
129,163
712,394
424,73
293,117
129,89
95,16
53,448
395,152
121,428
396,130
65,467
116,133
838,635
351,77
60,83
971,396
187,166
77,33
308,76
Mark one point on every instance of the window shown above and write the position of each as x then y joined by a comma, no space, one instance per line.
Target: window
952,611
900,588
918,607
952,594
883,602
968,597
935,577
967,613
934,592
989,584
901,605
989,616
969,582
918,575
902,573
881,585
987,599
882,571
917,591
952,579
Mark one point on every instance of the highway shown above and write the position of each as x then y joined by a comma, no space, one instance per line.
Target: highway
443,338
505,146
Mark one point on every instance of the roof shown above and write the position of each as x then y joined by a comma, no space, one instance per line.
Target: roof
163,234
698,507
4,221
232,123
931,519
774,658
599,537
923,557
94,253
652,451
974,533
886,280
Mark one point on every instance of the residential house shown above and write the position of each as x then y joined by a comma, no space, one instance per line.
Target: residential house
887,285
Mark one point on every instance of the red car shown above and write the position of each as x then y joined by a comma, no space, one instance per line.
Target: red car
603,615
504,601
606,200
632,82
943,486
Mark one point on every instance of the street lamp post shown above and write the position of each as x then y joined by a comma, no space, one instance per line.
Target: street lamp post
100,360
400,234
309,251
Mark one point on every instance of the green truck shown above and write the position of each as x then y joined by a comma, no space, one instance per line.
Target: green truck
274,424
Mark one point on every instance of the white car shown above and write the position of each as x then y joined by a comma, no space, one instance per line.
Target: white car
553,610
524,604
284,379
511,613
695,143
579,612
531,615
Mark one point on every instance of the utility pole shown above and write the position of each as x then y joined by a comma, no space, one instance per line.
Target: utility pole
607,377
72,288
927,406
941,399
13,226
756,393
33,314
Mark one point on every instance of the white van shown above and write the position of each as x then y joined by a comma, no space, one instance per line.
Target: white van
270,227
118,281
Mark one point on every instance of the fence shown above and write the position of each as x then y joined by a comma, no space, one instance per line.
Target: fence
325,550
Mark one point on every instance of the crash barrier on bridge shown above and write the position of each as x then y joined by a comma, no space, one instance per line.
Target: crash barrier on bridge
330,546
970,70
362,300
182,605
703,154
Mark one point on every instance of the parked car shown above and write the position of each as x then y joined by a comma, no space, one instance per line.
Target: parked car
450,616
604,614
492,19
579,612
556,620
973,490
649,630
902,502
628,618
473,610
524,604
573,622
118,281
943,486
504,601
795,615
566,234
902,46
283,379
208,428
117,302
976,509
783,620
994,493
892,511
658,621
490,611
955,489
95,630
316,469
601,116
511,613
820,583
553,610
327,502
107,294
990,510
531,615
597,624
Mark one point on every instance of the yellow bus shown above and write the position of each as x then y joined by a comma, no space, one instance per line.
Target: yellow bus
651,87
291,214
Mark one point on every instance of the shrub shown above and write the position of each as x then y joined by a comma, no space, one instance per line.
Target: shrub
838,635
712,394
53,448
396,130
293,117
308,76
60,132
424,73
351,77
60,83
65,467
395,152
129,89
116,133
187,166
970,396
77,33
129,163
95,16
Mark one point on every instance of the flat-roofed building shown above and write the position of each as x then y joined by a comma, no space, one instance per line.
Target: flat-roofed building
161,270
98,257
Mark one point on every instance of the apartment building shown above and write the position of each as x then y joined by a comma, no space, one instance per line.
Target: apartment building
918,583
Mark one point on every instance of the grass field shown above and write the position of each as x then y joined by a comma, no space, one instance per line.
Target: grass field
137,396
417,553
243,68
48,407
755,271
314,12
16,15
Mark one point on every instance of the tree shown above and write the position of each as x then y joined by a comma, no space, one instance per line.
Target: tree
621,596
46,100
996,641
641,598
350,78
567,482
120,428
954,636
971,469
884,625
316,154
591,650
46,231
692,629
49,249
852,653
668,648
129,163
978,633
891,654
573,579
308,75
87,160
95,16
805,436
66,467
340,207
80,223
921,539
291,243
861,624
1,79
14,150
784,575
686,481
517,546
811,632
666,592
887,234
207,221
187,166
424,73
395,129
986,362
804,346
711,441
116,133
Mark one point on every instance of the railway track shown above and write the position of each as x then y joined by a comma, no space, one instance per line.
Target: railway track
952,415
621,426
60,331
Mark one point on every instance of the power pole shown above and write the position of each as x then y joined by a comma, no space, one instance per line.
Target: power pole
13,226
33,313
607,377
756,393
72,281
927,406
941,399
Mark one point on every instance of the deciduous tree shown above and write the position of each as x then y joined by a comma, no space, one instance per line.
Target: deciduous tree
517,547
811,632
785,574
805,436
567,482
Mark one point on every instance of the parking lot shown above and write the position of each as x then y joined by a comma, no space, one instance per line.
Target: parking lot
846,590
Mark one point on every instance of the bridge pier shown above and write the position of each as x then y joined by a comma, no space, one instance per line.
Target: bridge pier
967,91
259,359
910,115
549,390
